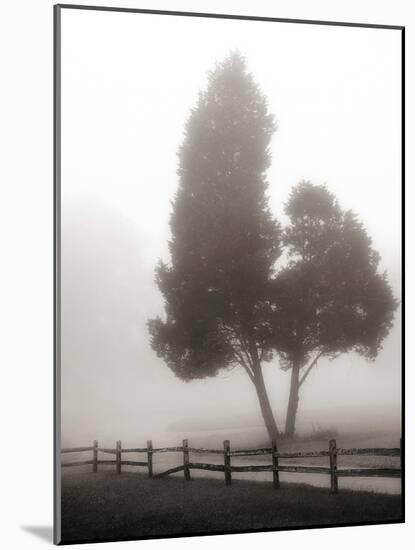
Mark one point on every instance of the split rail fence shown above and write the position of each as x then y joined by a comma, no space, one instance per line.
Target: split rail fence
275,467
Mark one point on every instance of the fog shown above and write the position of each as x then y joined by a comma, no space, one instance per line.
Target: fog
125,101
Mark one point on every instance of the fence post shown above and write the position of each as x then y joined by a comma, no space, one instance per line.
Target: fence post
333,466
150,458
186,460
95,456
118,457
275,472
227,461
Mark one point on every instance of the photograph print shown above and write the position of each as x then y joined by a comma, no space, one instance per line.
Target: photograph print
228,248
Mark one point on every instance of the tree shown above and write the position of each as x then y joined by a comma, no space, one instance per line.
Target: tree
224,240
330,298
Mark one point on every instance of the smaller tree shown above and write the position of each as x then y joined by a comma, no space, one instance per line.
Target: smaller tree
330,298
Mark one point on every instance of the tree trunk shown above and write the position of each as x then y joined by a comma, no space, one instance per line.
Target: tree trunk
293,400
265,405
262,394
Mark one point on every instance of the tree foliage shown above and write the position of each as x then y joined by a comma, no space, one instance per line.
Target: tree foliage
225,303
225,241
330,298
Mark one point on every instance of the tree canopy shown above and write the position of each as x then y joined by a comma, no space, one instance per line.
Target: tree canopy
330,298
226,303
224,241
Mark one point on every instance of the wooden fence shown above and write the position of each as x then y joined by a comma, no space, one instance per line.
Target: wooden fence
275,467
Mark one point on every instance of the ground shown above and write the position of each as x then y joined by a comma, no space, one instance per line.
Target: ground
106,505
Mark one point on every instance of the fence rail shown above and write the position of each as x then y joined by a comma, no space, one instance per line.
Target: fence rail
227,468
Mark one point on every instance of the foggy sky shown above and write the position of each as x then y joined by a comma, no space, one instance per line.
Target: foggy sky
126,94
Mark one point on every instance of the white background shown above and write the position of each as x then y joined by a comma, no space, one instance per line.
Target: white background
26,267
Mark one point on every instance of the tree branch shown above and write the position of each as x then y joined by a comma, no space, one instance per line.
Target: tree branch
241,355
249,372
242,362
245,348
307,372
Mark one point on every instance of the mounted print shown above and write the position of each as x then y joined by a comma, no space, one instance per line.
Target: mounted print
228,272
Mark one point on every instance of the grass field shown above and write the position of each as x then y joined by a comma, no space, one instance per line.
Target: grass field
105,505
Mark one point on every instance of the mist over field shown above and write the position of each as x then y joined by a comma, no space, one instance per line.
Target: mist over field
115,387
118,181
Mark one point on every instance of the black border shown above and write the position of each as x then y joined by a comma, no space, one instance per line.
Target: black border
229,16
56,273
57,264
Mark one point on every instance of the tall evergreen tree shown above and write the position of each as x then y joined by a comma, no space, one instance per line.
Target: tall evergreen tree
224,241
